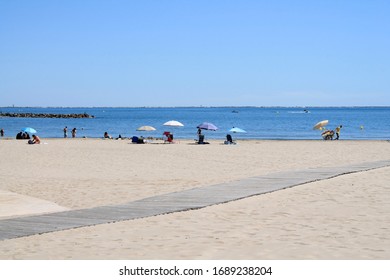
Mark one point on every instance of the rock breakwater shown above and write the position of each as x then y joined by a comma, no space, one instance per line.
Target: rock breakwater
52,116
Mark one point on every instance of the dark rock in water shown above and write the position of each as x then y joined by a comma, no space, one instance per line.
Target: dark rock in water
52,116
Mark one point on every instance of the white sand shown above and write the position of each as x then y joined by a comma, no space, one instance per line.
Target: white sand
13,204
341,218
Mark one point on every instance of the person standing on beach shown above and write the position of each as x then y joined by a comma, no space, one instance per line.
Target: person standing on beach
74,133
338,132
2,132
65,132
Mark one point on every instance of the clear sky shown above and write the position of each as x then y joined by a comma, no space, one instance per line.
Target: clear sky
194,52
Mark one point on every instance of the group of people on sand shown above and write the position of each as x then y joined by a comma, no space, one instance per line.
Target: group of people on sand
327,135
24,135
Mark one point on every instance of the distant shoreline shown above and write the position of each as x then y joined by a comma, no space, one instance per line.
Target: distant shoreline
162,107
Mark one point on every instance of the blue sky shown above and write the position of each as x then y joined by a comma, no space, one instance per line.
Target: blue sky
191,53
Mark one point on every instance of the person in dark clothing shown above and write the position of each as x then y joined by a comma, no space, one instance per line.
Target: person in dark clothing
65,132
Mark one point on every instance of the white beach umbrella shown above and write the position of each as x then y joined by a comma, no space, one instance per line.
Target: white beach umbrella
146,128
173,123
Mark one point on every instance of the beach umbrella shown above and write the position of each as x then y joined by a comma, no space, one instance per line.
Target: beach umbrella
146,128
207,126
29,130
173,123
320,124
237,130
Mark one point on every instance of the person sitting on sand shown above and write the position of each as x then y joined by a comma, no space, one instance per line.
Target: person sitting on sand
35,140
229,139
106,135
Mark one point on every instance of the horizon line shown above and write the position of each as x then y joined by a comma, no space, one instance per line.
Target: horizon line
201,106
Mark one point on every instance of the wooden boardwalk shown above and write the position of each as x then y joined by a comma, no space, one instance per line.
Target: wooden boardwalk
173,202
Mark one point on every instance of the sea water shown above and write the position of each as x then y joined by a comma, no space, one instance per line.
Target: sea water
258,122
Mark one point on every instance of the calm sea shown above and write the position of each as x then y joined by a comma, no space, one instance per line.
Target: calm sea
259,122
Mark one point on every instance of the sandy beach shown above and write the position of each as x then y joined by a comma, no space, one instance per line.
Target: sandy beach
345,217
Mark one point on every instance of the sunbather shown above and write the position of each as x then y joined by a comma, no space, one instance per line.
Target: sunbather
35,140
